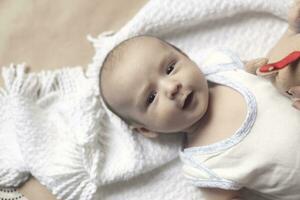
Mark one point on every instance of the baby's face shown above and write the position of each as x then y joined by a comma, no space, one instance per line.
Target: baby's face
156,85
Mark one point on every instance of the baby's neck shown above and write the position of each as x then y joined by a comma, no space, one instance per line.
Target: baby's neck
225,113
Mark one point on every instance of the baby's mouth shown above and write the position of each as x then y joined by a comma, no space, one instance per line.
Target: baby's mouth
188,100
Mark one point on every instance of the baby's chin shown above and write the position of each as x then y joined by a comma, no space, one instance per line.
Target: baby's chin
200,117
184,128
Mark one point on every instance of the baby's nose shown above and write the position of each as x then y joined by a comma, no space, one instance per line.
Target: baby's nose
173,88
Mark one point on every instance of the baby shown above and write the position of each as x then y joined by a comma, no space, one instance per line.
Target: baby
236,124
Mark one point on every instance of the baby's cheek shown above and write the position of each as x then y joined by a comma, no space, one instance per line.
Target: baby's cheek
168,119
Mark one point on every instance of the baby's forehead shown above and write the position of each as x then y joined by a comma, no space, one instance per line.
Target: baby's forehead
143,49
144,44
143,52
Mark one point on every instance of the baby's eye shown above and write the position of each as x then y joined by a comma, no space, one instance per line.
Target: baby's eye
151,97
170,68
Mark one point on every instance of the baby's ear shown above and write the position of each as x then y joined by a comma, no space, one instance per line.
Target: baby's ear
145,132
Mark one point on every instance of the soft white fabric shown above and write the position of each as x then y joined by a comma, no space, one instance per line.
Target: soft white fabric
53,124
263,154
54,120
11,194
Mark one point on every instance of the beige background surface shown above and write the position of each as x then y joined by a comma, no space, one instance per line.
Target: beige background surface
52,34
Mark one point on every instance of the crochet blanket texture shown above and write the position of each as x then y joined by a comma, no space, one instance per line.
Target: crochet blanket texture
53,126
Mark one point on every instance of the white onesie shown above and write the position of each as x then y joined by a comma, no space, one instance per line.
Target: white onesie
264,153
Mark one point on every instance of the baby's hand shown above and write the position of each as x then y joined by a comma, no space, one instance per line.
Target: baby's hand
295,95
252,65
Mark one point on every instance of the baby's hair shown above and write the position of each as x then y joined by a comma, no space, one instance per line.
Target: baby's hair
110,61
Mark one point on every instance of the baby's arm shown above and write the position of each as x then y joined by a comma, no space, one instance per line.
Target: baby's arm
220,194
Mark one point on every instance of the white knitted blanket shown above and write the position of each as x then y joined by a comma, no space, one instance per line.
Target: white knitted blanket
53,125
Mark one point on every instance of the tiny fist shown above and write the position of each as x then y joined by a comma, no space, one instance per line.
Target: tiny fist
261,61
252,65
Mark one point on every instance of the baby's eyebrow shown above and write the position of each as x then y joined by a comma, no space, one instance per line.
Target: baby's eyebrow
164,60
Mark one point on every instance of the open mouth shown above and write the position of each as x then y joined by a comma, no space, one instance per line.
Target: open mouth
188,100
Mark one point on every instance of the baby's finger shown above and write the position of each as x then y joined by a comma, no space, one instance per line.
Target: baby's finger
268,75
296,105
252,65
295,92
